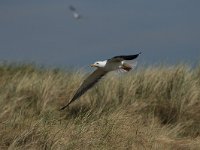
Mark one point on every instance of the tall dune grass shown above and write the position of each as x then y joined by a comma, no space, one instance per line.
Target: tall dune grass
151,108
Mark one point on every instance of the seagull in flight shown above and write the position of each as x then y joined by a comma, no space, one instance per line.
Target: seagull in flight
103,67
75,14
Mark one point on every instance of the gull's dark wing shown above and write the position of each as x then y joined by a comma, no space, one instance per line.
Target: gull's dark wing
72,8
124,57
88,83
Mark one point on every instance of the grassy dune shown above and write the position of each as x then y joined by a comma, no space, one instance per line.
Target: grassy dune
151,108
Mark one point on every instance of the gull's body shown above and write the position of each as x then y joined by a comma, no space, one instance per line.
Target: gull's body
103,67
76,15
113,66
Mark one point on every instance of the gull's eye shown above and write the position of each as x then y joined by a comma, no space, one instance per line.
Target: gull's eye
97,63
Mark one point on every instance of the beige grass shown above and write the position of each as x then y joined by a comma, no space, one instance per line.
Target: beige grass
151,108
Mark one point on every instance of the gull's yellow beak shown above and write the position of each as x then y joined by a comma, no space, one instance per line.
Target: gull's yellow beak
92,65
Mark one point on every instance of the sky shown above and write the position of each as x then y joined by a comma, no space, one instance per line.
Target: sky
44,31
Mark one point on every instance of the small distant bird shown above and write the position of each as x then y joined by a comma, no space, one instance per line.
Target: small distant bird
103,67
75,14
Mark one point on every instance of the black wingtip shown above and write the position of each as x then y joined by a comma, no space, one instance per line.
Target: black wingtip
138,54
61,109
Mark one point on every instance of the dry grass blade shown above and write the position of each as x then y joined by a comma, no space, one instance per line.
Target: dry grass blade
151,108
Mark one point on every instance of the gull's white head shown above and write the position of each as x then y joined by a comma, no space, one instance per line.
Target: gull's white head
99,64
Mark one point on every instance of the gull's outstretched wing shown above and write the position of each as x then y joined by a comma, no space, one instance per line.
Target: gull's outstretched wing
87,84
123,57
